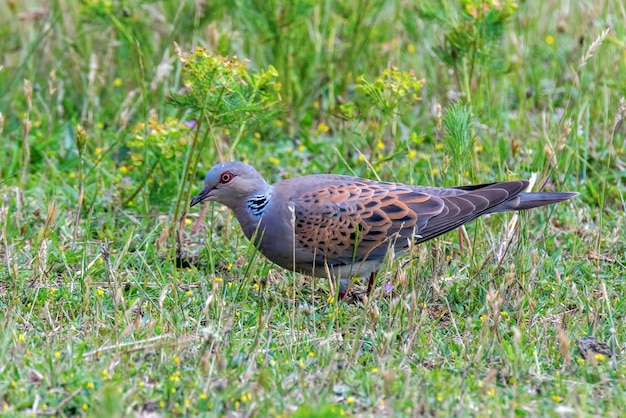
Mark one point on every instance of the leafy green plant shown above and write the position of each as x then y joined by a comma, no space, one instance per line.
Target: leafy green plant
152,152
387,98
472,41
458,141
318,49
222,96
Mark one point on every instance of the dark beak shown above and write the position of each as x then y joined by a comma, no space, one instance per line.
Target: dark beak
203,195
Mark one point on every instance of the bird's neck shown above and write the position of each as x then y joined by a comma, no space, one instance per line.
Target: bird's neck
251,212
257,204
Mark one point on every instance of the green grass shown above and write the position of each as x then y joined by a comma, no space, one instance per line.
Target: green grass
111,306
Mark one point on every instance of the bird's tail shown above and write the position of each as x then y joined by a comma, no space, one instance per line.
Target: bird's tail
532,200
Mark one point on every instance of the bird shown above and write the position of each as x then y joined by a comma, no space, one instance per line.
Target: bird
341,227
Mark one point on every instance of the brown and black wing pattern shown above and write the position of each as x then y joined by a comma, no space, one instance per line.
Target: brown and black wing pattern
462,205
350,220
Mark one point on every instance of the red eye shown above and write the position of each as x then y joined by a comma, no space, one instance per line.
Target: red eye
226,177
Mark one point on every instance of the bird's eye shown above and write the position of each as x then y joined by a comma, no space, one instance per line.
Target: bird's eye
226,177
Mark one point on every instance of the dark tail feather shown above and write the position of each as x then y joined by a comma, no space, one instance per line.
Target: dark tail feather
532,200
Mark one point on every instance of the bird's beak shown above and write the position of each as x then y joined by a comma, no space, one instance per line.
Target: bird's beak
203,195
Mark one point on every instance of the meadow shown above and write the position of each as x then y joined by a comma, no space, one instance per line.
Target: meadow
116,299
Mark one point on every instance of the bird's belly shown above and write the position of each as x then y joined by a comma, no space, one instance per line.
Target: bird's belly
359,269
304,261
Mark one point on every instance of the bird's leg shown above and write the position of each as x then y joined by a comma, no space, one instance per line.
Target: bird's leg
370,283
344,284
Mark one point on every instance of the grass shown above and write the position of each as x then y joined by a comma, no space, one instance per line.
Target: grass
113,302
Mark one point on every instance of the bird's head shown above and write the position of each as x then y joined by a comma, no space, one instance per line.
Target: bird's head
231,184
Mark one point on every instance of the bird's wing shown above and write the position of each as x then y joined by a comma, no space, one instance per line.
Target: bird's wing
350,220
463,204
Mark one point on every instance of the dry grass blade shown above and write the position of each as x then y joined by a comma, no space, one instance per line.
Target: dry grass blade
594,47
512,224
